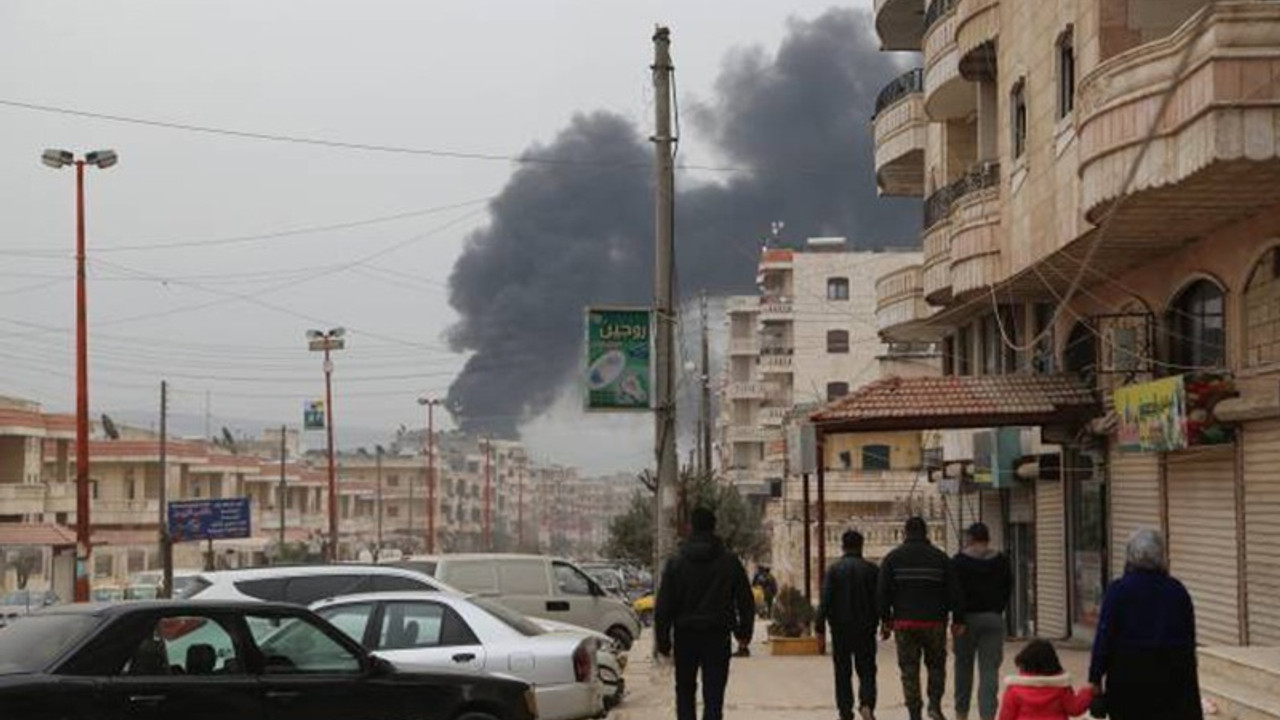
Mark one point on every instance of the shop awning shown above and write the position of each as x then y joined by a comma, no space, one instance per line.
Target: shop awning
952,402
37,534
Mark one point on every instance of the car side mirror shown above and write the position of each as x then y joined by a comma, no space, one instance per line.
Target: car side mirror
380,667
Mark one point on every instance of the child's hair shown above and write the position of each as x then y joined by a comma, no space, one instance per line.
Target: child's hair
1039,658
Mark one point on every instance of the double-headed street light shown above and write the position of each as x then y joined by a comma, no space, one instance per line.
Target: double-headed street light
102,159
326,341
430,404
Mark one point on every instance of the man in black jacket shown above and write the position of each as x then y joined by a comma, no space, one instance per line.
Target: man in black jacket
849,607
917,591
987,581
703,599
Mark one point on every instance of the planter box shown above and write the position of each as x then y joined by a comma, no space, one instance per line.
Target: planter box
795,646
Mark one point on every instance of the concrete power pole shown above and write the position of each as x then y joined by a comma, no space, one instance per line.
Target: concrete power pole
705,410
166,542
664,302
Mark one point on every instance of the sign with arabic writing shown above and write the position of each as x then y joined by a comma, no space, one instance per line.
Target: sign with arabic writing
212,519
618,359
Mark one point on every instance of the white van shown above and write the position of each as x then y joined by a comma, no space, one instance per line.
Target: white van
536,586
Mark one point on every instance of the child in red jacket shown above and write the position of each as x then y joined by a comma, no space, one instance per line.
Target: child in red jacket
1042,690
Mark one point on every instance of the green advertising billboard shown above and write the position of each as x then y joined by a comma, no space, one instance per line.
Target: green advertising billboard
618,374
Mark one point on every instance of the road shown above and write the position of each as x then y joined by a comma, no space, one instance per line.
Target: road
787,688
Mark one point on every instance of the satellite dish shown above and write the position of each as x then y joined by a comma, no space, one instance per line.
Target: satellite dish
228,440
109,427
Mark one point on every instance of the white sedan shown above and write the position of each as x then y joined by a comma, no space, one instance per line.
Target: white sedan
418,630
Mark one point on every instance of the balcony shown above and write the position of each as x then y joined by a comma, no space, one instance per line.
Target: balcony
746,391
936,270
775,363
742,346
1213,157
863,486
899,127
977,28
743,434
776,309
124,512
898,24
900,300
975,222
22,498
775,259
774,416
742,304
947,95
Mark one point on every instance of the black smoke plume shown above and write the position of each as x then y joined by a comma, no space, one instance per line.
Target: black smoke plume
561,237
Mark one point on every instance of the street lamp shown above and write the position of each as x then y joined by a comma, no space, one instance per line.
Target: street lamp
102,159
326,341
430,404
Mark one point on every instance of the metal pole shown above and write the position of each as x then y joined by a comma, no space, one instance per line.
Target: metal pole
808,531
431,477
333,475
520,506
488,482
664,303
822,512
378,479
84,545
166,543
283,490
706,390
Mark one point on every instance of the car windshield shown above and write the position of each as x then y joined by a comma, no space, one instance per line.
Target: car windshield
29,644
509,617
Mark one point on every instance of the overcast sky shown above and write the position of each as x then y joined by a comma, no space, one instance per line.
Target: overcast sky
228,318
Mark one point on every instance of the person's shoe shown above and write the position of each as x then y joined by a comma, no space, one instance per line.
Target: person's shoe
866,713
936,714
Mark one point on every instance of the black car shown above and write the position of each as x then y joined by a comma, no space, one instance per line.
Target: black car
226,660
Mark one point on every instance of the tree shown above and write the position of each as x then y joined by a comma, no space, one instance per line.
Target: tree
631,534
23,561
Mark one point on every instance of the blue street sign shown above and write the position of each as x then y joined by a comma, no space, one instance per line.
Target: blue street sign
213,519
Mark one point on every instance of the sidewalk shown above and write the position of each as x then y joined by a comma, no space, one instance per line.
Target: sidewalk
791,688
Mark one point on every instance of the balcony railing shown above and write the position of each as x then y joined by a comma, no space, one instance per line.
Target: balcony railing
936,11
938,205
905,84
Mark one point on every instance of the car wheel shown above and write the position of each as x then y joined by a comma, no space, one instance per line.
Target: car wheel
620,635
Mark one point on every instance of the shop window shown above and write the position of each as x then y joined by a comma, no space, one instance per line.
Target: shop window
1018,121
846,460
1196,326
1262,311
875,457
837,288
1066,72
838,341
837,390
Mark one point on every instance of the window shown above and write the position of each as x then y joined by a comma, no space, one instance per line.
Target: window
472,576
1261,321
1018,122
570,581
393,481
293,645
307,589
846,460
1066,72
38,640
837,341
949,355
989,333
508,617
523,577
395,583
875,457
837,390
409,625
1080,356
1197,327
393,511
964,352
1042,358
352,620
838,288
183,645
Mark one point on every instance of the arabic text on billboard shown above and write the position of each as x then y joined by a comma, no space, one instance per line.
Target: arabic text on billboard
1173,413
212,519
618,359
313,415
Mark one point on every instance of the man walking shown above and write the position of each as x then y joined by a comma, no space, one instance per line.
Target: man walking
986,579
703,599
917,591
849,607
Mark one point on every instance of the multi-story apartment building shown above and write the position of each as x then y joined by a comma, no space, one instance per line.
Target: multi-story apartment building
1100,213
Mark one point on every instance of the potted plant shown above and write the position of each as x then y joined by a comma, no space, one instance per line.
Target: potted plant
791,630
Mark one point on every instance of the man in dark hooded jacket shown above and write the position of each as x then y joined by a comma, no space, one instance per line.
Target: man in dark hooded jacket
704,598
849,607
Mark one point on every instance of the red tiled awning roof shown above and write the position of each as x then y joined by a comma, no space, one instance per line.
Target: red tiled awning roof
36,534
929,403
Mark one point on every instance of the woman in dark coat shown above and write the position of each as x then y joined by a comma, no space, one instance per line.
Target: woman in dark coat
1144,653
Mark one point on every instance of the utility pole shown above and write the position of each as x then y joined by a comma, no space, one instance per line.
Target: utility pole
520,505
327,341
166,542
430,404
664,302
283,489
488,491
378,479
705,410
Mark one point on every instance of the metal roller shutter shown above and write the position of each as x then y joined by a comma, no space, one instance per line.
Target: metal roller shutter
1022,504
1262,529
1051,560
1134,482
1202,538
993,516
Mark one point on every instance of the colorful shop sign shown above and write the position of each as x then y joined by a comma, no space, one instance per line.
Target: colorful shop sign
1173,413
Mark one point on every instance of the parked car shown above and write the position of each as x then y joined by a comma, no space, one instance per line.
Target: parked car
611,660
609,577
17,603
202,661
146,585
305,584
536,586
106,593
643,607
443,630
